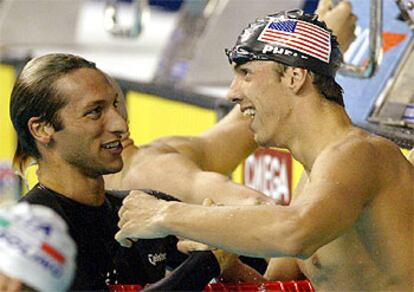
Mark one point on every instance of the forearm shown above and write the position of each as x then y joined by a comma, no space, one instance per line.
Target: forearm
223,191
228,143
262,231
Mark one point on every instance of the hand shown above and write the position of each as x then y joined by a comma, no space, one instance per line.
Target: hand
186,246
9,284
238,272
340,19
139,217
226,260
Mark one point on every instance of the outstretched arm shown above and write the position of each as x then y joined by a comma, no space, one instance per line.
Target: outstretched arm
226,144
220,148
329,205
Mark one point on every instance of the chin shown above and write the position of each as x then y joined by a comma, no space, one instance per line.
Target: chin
114,168
263,141
258,139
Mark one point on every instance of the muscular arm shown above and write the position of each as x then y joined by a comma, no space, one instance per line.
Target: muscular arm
174,174
341,183
174,166
219,149
287,268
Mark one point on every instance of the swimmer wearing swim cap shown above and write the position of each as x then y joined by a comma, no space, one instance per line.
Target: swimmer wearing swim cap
35,248
292,38
355,203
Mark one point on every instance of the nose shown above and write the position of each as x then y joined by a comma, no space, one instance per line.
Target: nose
116,122
234,94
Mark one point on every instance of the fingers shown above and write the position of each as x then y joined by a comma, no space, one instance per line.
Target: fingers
139,217
122,239
323,7
340,20
132,201
341,12
14,286
9,284
123,217
186,246
3,282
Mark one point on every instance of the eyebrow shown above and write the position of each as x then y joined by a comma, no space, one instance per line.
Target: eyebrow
94,103
236,67
100,101
242,66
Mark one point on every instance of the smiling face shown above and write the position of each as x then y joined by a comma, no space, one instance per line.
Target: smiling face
90,140
261,92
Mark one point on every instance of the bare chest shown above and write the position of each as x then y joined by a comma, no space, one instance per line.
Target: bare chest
362,257
341,265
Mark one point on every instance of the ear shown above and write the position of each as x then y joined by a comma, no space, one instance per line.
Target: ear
296,78
41,131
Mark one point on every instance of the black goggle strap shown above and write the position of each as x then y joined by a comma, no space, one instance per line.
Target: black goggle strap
239,56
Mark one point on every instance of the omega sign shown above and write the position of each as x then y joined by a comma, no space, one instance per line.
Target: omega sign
270,171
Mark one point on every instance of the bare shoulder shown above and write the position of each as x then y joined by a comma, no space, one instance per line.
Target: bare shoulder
354,149
364,154
170,152
190,147
161,145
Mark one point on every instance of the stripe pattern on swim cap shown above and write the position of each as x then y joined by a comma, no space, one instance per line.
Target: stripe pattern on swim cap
36,248
298,35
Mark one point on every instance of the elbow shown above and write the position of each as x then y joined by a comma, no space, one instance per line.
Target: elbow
297,248
304,252
294,248
297,242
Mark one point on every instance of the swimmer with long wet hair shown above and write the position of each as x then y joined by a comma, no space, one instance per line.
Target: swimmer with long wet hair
349,228
67,117
36,251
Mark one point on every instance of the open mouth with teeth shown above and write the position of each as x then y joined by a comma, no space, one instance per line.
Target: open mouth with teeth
112,145
250,113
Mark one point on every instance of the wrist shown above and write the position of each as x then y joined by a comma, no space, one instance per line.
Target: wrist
169,214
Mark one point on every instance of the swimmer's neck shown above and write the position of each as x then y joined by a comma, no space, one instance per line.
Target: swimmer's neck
334,126
73,184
